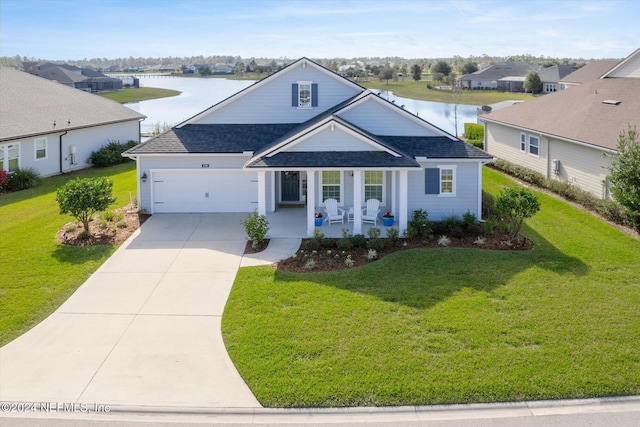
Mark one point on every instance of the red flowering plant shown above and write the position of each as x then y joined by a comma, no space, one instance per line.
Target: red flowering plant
319,215
3,180
387,215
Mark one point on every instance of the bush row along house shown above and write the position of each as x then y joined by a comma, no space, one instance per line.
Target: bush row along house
566,135
54,129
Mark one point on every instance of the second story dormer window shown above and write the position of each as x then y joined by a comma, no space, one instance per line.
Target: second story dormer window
304,95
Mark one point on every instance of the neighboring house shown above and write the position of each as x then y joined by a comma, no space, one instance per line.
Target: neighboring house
54,129
86,79
565,135
588,73
490,77
301,136
551,76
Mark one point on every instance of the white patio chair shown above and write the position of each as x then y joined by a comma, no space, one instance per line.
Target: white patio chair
334,213
370,213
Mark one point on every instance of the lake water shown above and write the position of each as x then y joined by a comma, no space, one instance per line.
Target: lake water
199,94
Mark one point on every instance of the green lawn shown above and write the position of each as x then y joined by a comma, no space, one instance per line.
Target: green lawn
37,274
409,88
137,94
447,325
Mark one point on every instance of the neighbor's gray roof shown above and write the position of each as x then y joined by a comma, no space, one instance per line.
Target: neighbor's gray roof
555,73
498,71
29,105
578,113
592,71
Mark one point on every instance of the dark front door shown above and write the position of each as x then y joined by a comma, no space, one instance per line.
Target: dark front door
290,186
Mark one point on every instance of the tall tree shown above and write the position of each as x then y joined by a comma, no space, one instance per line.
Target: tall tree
387,73
532,82
416,71
442,67
469,67
625,173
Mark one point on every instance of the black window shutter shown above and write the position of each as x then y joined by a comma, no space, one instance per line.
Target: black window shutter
432,181
294,95
314,94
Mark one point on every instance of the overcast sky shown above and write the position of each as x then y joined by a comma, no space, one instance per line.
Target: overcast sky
77,29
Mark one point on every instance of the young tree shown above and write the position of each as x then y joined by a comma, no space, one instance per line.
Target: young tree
442,67
82,197
387,73
517,204
416,71
532,82
625,173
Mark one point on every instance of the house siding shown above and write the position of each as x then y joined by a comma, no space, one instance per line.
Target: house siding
337,140
440,207
271,103
146,163
86,141
580,165
504,142
375,118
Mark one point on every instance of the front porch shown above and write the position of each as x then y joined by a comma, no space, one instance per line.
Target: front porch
292,223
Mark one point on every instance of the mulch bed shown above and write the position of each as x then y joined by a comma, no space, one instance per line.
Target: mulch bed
103,233
330,258
262,245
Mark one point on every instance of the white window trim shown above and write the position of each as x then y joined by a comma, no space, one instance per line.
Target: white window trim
529,146
523,144
320,185
384,187
5,152
453,180
35,149
310,83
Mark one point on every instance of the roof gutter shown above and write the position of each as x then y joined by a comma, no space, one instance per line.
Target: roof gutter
60,137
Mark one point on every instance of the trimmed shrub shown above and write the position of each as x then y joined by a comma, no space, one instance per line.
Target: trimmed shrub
82,197
22,179
111,154
256,226
474,131
359,241
419,224
517,204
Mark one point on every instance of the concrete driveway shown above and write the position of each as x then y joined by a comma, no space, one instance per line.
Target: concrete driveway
144,329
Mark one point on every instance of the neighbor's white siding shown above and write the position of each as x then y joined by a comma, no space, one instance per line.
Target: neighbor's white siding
86,141
504,142
439,207
579,165
271,103
382,120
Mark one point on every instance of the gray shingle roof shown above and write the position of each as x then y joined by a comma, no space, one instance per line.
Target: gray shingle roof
334,159
554,73
220,138
29,105
592,71
498,71
435,147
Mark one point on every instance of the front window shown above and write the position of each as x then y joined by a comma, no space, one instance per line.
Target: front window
41,148
9,157
331,185
374,185
534,146
304,94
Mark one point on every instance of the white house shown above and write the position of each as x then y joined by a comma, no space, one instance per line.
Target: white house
53,128
301,136
565,135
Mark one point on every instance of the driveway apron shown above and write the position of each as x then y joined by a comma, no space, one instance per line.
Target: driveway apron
144,329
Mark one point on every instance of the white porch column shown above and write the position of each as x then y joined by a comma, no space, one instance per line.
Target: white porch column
402,202
311,202
262,193
357,197
272,176
394,192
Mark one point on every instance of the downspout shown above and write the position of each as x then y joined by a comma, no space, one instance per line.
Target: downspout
61,135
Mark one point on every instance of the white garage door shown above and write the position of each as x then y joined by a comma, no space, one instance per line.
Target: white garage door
204,191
